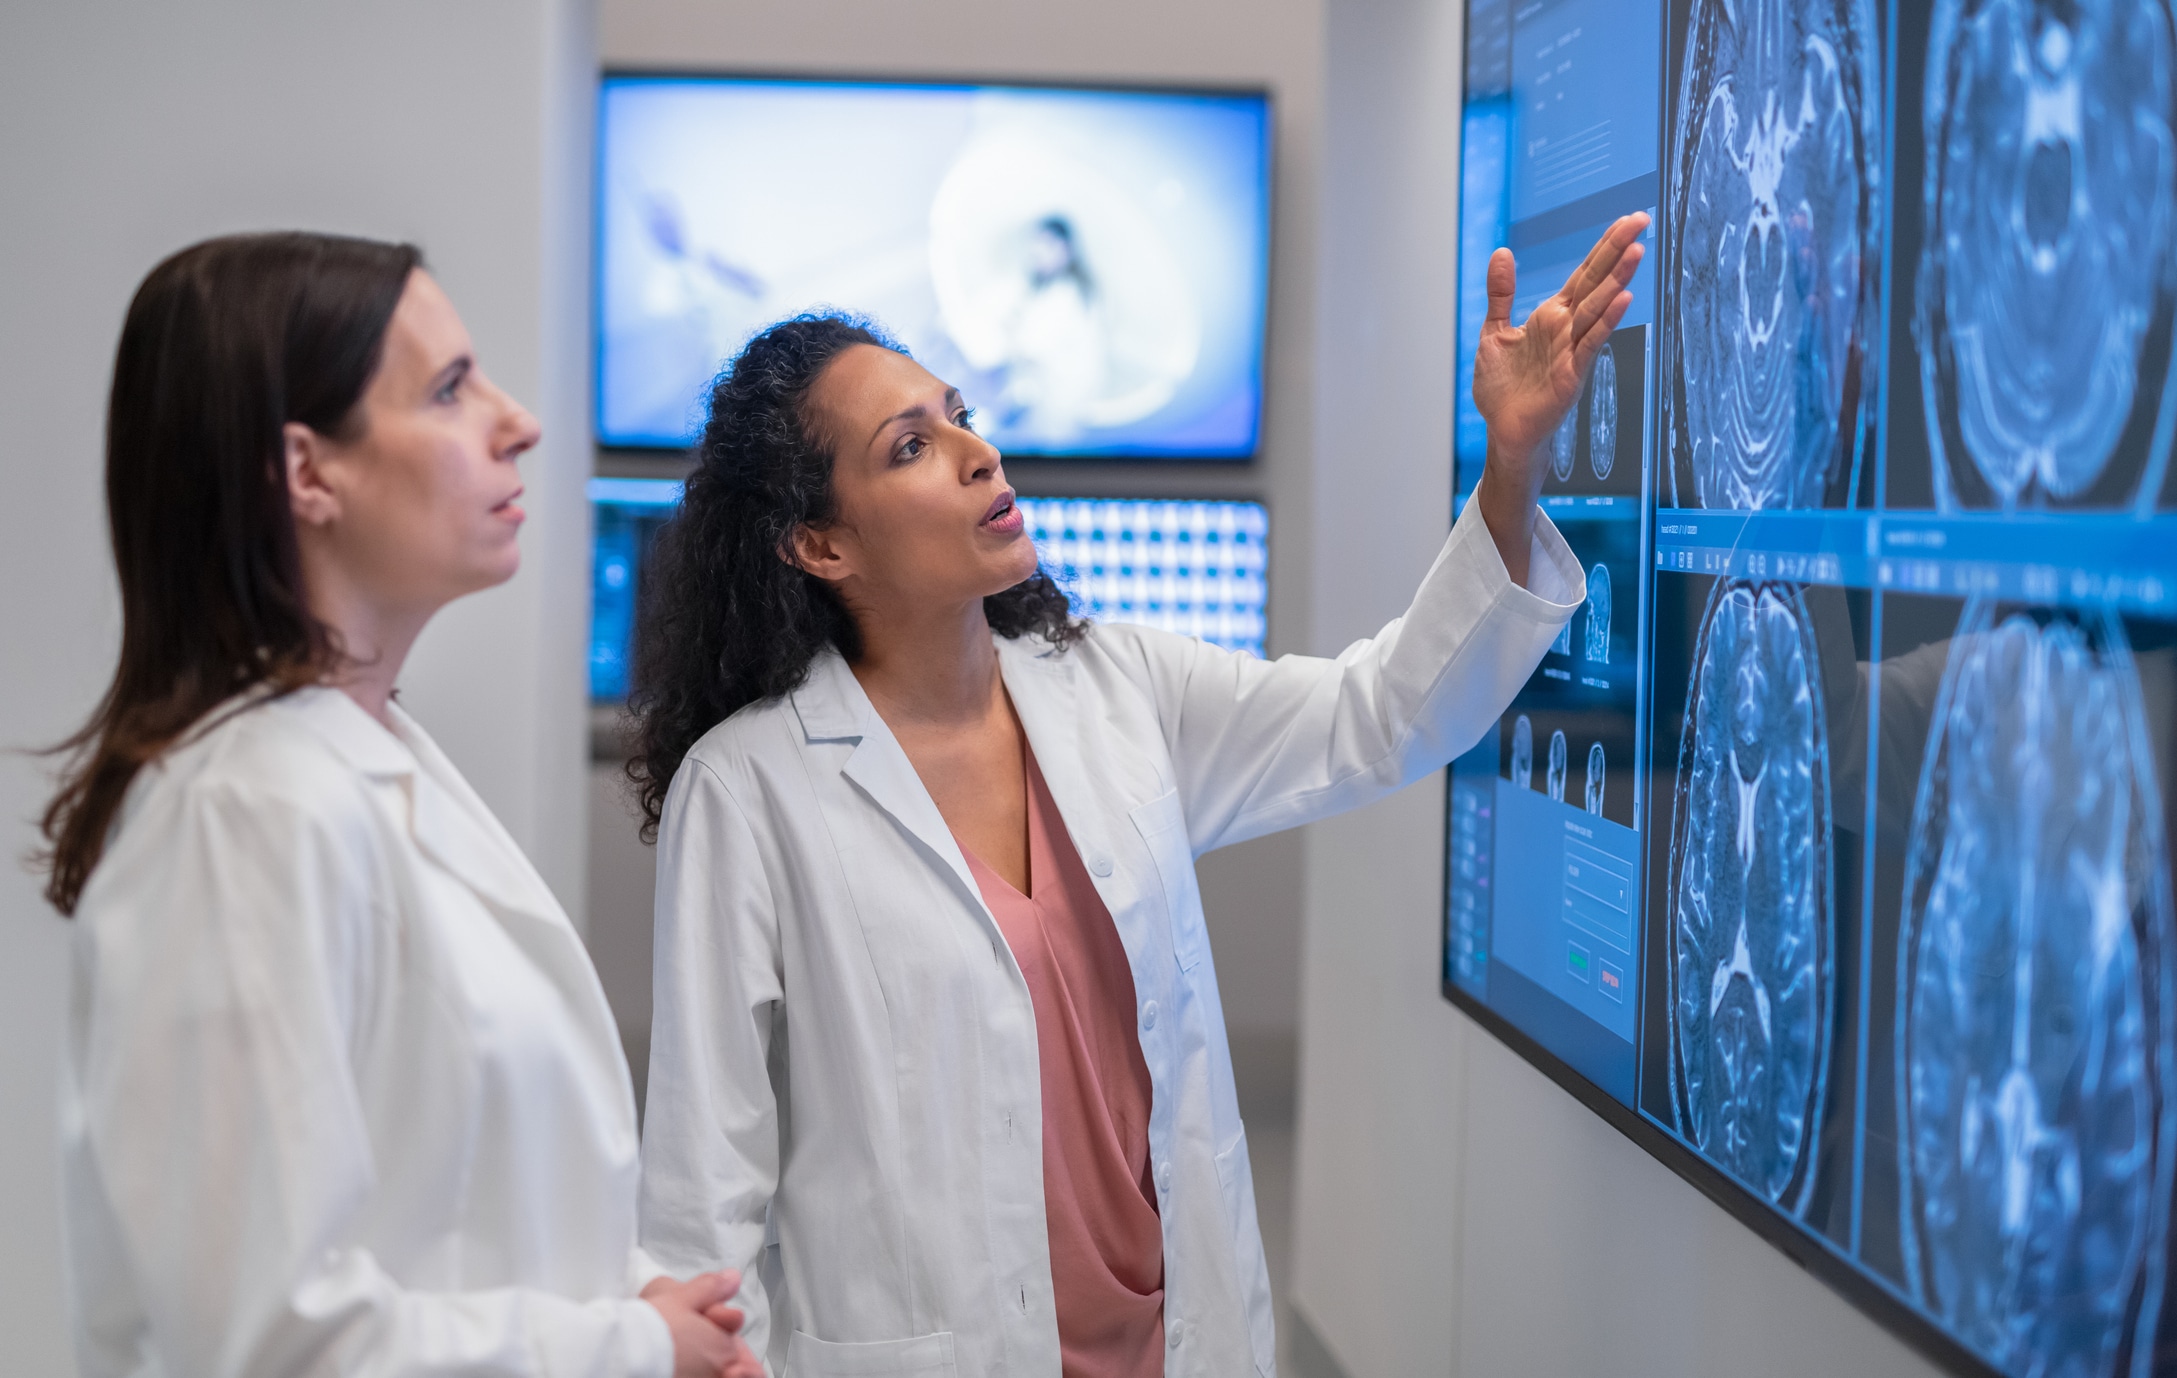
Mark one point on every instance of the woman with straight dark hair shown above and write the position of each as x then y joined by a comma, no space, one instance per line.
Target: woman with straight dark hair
342,1094
937,1051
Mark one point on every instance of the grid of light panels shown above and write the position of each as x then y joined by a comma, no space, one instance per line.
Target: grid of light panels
1197,568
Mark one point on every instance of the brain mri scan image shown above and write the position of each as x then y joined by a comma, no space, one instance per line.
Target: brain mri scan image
1557,766
1564,444
2033,1084
1775,175
1751,913
1563,644
1594,786
1602,415
1522,772
1595,643
2047,253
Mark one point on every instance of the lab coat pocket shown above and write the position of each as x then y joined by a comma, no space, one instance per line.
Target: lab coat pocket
924,1356
1163,826
1237,1177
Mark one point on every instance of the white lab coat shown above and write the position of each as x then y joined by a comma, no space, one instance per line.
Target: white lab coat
341,1091
843,1059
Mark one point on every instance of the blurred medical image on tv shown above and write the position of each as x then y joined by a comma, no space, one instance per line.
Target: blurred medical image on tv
1088,267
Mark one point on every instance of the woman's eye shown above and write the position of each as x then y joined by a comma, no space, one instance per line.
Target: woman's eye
910,447
965,419
449,393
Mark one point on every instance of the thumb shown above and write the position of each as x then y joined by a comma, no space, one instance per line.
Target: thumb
710,1289
1503,277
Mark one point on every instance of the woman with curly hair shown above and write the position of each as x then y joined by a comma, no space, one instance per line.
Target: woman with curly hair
937,1054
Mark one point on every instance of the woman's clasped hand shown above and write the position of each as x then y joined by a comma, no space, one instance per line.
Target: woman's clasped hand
706,1330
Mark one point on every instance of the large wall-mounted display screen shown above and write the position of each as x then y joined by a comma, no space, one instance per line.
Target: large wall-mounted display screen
1828,853
1089,267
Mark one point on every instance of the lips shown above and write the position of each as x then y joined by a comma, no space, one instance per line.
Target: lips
508,508
1004,517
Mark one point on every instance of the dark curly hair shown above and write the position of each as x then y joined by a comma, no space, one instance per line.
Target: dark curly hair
725,620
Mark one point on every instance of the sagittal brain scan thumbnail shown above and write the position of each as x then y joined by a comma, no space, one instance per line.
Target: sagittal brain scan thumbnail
1827,852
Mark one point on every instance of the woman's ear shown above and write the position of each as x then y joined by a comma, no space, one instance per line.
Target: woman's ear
309,496
816,552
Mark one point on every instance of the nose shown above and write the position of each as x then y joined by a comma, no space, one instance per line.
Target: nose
982,458
517,431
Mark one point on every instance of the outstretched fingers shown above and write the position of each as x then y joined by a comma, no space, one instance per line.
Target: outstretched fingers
1590,344
1605,258
1606,290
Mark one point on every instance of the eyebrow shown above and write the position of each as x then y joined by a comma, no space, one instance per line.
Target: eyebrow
952,396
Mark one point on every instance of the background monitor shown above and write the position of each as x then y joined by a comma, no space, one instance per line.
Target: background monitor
1089,267
1195,568
1827,854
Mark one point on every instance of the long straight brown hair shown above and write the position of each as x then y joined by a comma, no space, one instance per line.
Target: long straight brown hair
225,343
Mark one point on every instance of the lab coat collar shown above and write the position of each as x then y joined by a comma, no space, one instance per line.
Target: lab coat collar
359,739
833,707
445,817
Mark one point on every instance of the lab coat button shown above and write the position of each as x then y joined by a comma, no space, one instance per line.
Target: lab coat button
1100,864
1164,1175
1175,1334
1149,1015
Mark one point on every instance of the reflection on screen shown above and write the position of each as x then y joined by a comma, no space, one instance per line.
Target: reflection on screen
1088,267
1887,600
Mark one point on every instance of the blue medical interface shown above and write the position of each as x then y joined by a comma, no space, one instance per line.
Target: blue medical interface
1831,840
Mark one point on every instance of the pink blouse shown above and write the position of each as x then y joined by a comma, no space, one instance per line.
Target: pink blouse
1107,1243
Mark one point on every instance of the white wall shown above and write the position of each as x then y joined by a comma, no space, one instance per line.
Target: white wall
130,128
1251,893
1457,1212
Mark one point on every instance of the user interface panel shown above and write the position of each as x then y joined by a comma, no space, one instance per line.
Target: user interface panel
1828,853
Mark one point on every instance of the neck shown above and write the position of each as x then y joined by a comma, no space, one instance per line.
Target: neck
935,668
374,637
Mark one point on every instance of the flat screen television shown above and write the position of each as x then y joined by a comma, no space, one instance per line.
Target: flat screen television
1827,854
1089,267
1198,568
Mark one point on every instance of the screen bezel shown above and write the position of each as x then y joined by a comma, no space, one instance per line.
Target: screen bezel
744,75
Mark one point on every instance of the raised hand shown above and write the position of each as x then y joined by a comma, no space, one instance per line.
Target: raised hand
1527,376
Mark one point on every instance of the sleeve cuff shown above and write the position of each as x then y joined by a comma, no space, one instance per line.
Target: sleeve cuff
1556,585
650,1342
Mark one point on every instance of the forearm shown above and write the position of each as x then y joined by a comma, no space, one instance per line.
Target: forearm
1507,495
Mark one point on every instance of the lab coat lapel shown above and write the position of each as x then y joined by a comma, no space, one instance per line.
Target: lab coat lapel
1041,684
833,708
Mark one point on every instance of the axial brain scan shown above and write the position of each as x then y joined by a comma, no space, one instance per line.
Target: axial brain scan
1522,773
2048,244
1564,444
1751,909
1594,786
1602,416
2034,970
1557,767
1775,153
